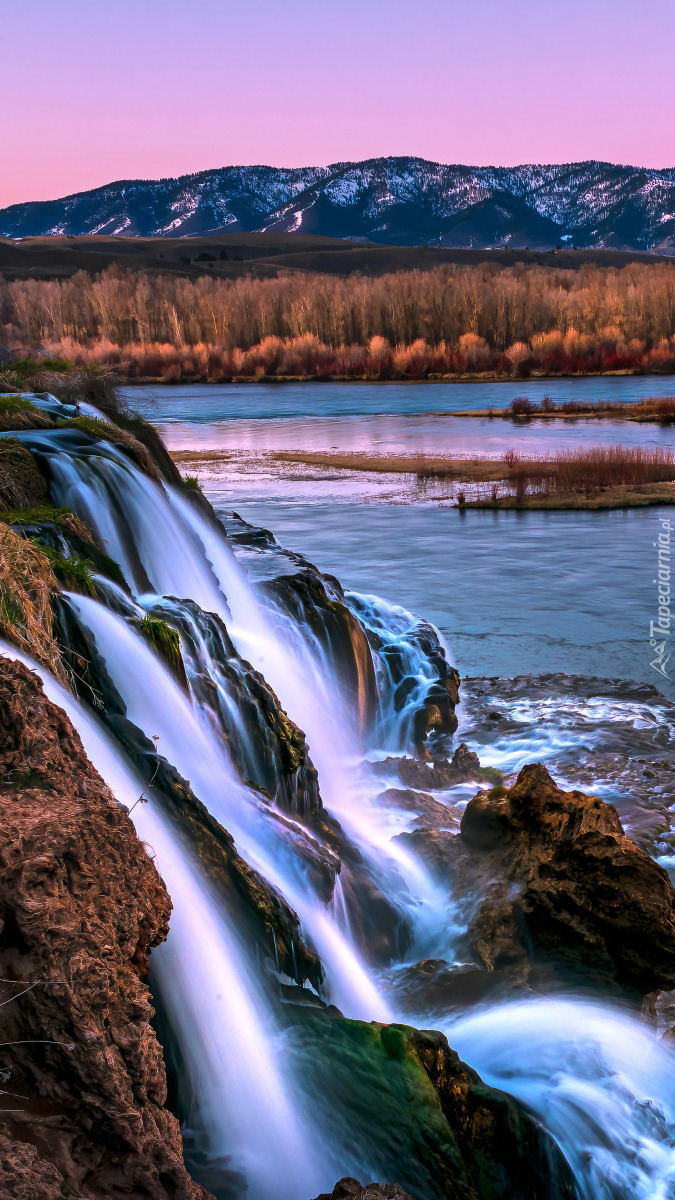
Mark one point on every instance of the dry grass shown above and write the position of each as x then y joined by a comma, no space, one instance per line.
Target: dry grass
648,408
474,469
592,469
594,477
27,584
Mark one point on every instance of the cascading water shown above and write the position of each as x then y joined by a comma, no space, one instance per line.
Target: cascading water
295,667
599,1082
244,1116
156,704
597,1079
167,548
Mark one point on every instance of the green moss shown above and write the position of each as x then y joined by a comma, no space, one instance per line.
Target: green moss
74,574
11,404
29,516
379,1101
89,425
497,792
48,526
490,775
190,483
166,643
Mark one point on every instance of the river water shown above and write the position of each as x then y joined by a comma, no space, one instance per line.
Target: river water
512,592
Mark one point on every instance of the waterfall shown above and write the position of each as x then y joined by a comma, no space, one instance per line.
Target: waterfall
156,704
288,657
597,1079
167,548
244,1115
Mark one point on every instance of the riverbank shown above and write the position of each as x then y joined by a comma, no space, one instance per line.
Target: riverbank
600,476
651,408
603,478
365,377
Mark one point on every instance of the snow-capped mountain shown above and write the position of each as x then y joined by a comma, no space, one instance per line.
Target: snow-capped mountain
398,201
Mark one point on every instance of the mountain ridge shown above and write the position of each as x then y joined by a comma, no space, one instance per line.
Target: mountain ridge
394,201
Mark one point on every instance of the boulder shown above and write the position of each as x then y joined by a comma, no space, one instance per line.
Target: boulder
558,889
351,1189
440,1132
429,813
443,773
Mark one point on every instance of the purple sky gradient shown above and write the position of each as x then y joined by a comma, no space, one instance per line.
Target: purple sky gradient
99,90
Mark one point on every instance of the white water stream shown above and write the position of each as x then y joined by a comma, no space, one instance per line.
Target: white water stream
220,1017
598,1080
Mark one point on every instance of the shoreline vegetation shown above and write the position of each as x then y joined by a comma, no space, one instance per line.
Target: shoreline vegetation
522,409
592,478
452,322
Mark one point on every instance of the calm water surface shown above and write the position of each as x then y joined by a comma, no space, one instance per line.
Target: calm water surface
218,402
511,592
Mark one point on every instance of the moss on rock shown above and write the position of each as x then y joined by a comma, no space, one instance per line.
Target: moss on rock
405,1107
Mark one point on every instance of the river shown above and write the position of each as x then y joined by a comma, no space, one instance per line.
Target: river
512,592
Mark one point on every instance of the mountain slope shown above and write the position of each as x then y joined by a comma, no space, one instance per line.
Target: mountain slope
396,201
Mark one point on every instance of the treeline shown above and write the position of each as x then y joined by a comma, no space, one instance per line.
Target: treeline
453,319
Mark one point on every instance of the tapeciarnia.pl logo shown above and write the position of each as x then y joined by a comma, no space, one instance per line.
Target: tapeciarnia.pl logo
659,630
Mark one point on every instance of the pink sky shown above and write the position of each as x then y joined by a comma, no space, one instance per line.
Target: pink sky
98,91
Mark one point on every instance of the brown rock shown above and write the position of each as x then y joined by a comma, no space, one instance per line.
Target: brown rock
351,1189
505,1154
442,773
559,887
81,903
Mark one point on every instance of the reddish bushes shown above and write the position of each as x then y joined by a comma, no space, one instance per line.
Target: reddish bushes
306,356
589,470
453,320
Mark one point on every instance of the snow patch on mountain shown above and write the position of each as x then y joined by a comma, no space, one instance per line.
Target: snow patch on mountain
399,200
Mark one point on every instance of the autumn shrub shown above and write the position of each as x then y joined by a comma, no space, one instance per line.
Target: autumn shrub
453,319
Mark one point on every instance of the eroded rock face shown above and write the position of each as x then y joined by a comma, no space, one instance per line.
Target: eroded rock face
81,903
351,1189
558,888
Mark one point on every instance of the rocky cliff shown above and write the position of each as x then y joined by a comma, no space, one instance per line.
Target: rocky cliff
81,904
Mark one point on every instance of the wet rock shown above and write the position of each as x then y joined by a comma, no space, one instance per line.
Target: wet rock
269,749
505,1153
437,712
361,650
316,602
602,732
434,984
557,886
272,924
351,1189
440,1131
81,904
463,767
430,813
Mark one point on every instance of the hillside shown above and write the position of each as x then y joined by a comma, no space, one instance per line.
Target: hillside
392,201
265,255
